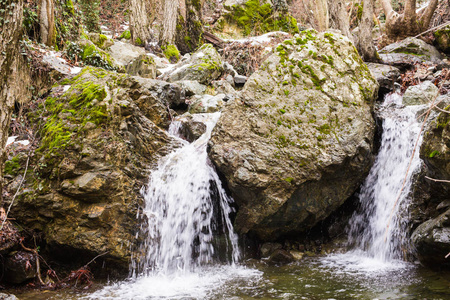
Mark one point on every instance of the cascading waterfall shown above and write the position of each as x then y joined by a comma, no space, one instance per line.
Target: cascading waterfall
180,207
379,228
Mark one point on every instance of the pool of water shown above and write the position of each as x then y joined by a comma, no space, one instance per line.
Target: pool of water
340,276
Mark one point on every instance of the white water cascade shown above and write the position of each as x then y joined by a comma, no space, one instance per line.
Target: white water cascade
180,208
377,230
185,204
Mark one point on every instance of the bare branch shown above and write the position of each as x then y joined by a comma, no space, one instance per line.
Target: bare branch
437,180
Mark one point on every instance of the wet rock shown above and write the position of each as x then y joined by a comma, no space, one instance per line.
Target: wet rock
297,255
191,129
91,164
280,257
297,142
268,248
423,93
204,66
408,52
206,103
385,75
432,241
4,296
20,266
143,66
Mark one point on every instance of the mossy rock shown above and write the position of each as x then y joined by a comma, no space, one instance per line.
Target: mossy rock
298,141
442,37
256,17
100,40
143,66
100,132
90,54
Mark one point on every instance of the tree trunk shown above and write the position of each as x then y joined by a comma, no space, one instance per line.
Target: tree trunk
139,23
408,23
321,8
364,40
189,35
339,17
47,22
169,22
11,12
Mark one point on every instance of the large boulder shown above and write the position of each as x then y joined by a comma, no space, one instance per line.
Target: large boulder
204,66
409,52
124,53
100,136
432,241
423,93
298,142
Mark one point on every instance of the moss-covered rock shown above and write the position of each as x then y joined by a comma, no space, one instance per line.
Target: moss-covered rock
443,39
143,66
256,17
298,142
100,40
100,133
204,66
90,54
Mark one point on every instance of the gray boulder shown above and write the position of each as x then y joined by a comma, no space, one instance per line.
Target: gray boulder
408,52
432,241
420,94
206,103
298,141
124,53
143,66
385,75
204,66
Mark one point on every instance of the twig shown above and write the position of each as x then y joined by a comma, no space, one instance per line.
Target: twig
447,255
15,195
434,28
38,265
92,260
409,166
437,180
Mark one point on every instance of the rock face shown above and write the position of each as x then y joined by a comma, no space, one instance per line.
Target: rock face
99,138
431,199
204,66
385,75
420,94
432,241
298,142
409,51
443,39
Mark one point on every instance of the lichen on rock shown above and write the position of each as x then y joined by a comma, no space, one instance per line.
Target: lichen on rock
298,142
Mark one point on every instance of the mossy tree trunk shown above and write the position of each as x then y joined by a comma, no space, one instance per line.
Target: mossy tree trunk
169,22
364,41
189,32
11,12
91,18
139,22
410,23
339,17
47,22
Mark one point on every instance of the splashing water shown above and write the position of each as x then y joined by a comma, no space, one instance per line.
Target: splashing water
377,231
182,198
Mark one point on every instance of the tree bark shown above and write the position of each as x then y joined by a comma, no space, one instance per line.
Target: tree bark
47,22
339,17
409,23
139,22
169,22
321,8
189,33
11,12
364,40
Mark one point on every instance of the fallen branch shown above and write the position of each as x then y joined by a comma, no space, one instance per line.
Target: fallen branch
434,28
437,180
409,166
15,195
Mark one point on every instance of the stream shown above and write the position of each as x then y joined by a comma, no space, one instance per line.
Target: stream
182,257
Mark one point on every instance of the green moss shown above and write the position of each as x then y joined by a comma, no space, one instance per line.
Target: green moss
125,35
139,42
12,166
171,52
433,154
90,55
288,179
256,17
282,111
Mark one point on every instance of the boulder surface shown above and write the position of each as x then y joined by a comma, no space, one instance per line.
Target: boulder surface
298,141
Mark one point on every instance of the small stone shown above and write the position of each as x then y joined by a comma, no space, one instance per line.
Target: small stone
268,248
240,80
280,257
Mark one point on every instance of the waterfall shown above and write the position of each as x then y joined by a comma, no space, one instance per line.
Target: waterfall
183,199
379,227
